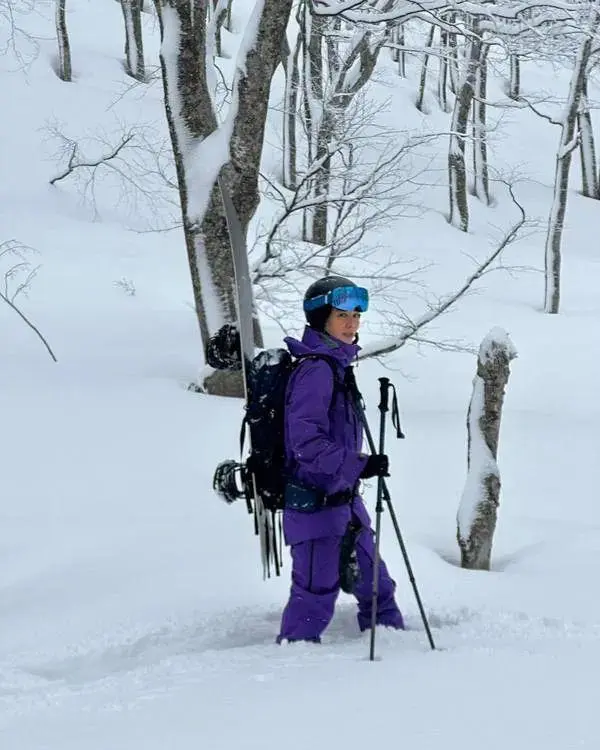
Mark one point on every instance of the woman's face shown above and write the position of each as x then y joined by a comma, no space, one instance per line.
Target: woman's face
343,325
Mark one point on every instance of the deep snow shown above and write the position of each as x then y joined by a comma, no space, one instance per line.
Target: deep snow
132,609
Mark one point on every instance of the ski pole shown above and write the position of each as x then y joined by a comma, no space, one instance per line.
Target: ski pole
383,408
388,500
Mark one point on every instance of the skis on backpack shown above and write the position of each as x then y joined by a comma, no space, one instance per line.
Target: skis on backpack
264,519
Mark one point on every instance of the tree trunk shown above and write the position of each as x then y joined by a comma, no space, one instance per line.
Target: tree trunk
398,55
423,79
587,146
476,519
312,89
290,111
514,84
568,141
401,53
457,171
443,71
134,46
453,69
65,70
192,121
323,179
219,13
481,182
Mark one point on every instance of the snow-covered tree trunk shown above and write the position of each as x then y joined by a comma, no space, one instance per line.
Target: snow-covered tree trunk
457,170
514,82
205,149
219,10
65,70
443,71
331,80
476,518
290,62
134,45
453,68
587,146
401,53
312,98
569,139
481,182
424,66
398,54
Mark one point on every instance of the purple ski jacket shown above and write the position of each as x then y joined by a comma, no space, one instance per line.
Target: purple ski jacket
323,439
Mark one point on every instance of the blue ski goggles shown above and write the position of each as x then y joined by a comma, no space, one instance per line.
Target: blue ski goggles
343,298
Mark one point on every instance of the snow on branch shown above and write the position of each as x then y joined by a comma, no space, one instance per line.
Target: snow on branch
385,11
377,349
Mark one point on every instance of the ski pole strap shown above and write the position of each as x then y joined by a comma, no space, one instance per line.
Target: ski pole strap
396,414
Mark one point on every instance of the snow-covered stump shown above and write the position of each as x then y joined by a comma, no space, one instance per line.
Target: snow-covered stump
476,519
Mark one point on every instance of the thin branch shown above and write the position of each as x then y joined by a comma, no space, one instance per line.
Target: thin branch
73,164
447,302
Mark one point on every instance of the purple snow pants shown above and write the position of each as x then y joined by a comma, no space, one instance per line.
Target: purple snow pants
315,588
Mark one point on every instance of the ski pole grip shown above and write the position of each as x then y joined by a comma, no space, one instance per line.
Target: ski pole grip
384,389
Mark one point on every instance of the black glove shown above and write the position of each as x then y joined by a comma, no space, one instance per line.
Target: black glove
377,466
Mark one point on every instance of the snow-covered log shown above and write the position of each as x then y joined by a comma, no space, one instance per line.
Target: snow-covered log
476,519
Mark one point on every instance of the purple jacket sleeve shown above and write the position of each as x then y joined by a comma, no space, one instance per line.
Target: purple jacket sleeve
322,459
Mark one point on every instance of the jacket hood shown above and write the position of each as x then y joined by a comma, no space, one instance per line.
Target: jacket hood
315,342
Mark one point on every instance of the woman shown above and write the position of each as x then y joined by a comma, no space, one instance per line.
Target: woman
323,439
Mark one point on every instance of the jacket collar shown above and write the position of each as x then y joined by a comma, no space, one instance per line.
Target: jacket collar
315,342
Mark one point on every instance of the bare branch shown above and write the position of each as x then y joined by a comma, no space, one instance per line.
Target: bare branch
74,163
12,247
414,327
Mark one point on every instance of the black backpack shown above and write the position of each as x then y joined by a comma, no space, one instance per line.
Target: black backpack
264,469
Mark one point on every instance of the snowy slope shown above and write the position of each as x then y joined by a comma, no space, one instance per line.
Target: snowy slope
132,610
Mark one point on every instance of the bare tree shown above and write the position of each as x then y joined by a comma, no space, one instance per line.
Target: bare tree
481,182
457,170
476,520
204,148
333,74
65,71
134,43
514,84
569,140
374,181
424,66
290,62
587,146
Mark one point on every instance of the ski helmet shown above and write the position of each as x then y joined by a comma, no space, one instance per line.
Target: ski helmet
330,292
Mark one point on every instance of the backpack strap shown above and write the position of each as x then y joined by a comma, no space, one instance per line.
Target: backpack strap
339,384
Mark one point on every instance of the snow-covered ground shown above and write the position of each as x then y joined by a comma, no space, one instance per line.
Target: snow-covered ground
132,609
